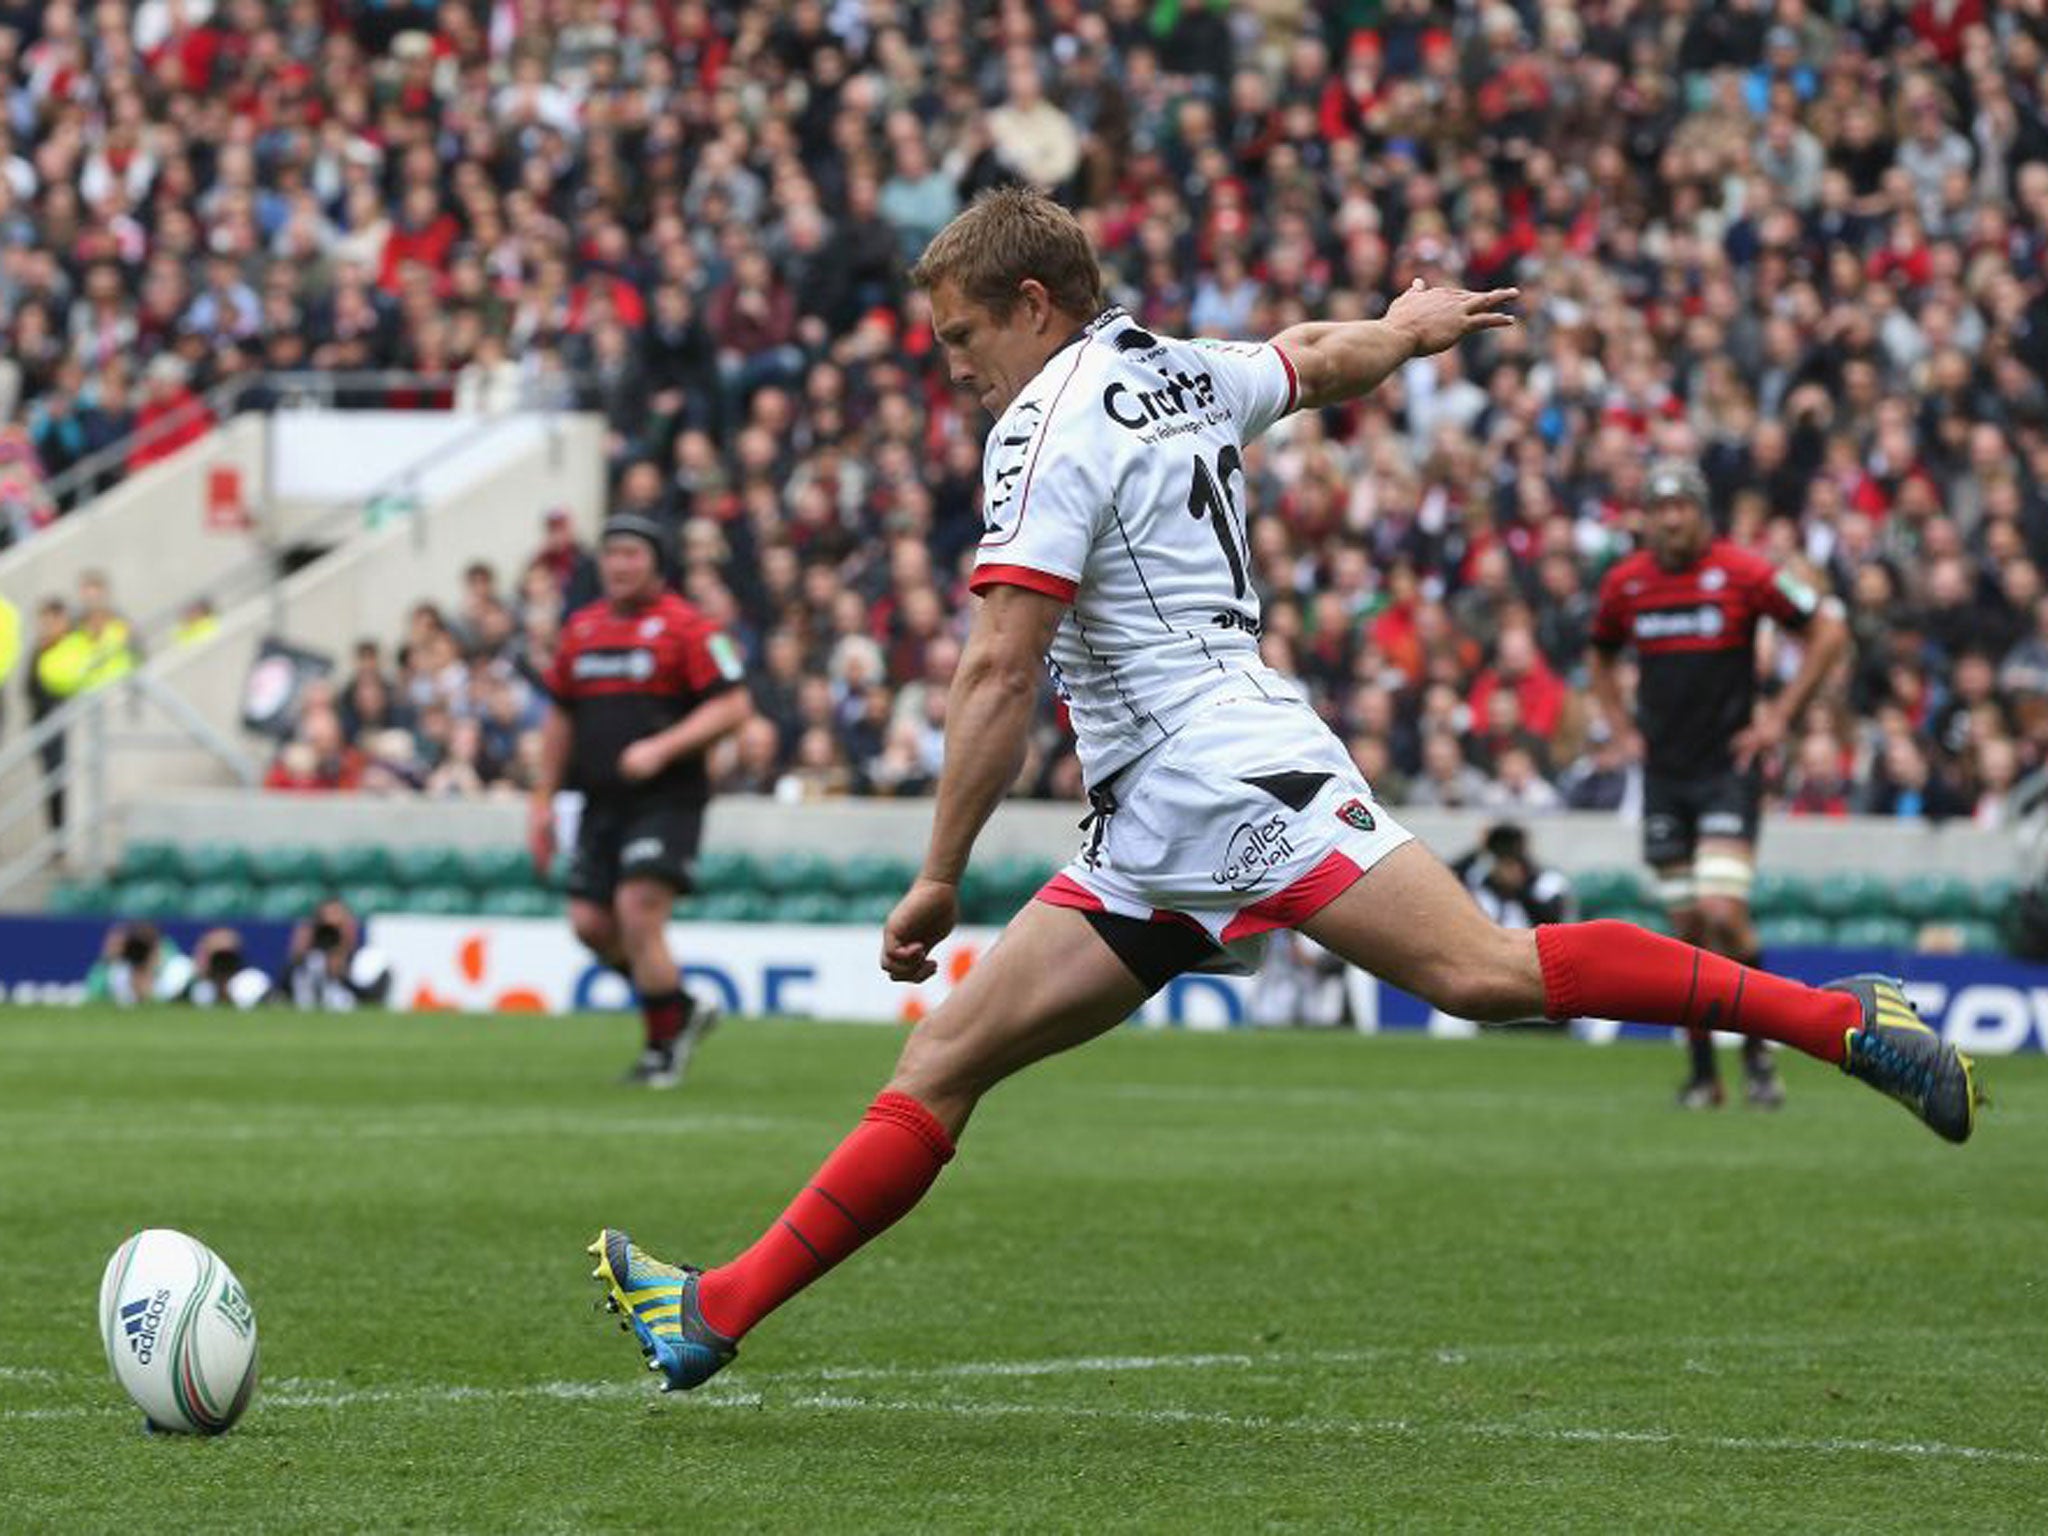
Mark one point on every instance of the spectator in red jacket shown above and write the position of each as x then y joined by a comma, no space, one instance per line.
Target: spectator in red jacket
171,417
1520,668
318,758
424,232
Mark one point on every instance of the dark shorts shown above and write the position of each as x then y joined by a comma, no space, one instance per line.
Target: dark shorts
1677,812
622,840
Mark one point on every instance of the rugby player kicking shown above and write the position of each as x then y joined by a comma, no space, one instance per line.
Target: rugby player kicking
1223,808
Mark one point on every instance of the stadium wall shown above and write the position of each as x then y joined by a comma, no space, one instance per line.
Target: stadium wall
440,964
1992,1006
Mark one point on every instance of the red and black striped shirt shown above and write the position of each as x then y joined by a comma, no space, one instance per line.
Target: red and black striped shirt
1694,635
622,674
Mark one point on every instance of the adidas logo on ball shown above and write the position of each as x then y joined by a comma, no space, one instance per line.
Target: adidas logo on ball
140,1321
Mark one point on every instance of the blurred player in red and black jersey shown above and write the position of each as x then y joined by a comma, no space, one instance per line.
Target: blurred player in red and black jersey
643,685
1689,605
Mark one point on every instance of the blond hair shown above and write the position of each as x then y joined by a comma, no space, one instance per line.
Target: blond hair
1006,236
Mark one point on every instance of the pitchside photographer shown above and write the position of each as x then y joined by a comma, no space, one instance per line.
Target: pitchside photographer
137,964
222,976
1510,887
330,968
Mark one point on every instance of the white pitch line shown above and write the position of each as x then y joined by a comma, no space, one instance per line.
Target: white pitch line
1367,1429
481,1127
294,1393
983,1369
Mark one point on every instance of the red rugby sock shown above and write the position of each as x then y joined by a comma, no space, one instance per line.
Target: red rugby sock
1610,970
873,1177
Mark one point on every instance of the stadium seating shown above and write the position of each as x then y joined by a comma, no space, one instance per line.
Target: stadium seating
799,874
1605,892
1791,931
871,875
286,864
151,861
421,869
85,898
722,869
225,882
518,901
1778,893
498,869
209,863
1934,899
353,866
218,901
372,897
1846,894
288,901
1994,900
1878,932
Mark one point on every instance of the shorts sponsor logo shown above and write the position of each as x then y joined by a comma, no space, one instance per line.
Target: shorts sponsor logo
642,850
592,666
1721,824
1255,849
1353,813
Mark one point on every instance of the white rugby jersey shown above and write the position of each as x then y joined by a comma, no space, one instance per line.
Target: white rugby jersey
1114,482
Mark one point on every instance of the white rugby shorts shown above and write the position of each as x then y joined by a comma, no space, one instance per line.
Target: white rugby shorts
1250,817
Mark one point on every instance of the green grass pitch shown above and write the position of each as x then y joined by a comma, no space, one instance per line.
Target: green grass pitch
1172,1283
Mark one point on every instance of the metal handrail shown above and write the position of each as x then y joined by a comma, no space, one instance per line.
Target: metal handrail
86,770
27,744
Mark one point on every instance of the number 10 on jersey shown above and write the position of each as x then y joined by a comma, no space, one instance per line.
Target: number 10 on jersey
1209,497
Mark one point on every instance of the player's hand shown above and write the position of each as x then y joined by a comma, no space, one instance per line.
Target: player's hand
924,916
1766,729
1439,318
540,835
642,761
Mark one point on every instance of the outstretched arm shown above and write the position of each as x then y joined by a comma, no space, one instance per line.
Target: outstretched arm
988,715
1343,359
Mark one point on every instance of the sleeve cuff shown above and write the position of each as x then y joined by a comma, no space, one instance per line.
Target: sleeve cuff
1031,580
1293,379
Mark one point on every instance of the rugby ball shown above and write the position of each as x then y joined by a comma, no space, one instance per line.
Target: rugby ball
179,1331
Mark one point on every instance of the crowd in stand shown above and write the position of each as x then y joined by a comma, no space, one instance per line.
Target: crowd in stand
1802,243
